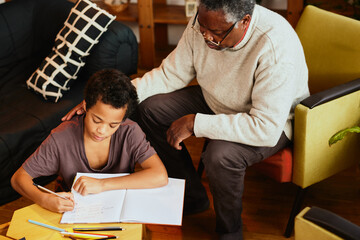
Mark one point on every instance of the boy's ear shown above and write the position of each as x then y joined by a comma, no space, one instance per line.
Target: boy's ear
84,105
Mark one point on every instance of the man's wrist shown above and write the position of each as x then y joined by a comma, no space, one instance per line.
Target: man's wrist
192,123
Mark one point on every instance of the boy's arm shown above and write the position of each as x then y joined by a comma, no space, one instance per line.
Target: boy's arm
152,175
22,182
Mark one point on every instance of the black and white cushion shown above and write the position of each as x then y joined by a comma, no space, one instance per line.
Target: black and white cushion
82,30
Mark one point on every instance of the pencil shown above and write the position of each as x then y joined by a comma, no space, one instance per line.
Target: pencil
46,225
97,234
49,191
109,238
87,235
99,229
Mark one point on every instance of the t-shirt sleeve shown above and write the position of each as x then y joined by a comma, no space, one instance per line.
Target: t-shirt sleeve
44,161
141,148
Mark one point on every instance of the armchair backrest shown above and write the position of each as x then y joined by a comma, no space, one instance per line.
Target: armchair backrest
332,47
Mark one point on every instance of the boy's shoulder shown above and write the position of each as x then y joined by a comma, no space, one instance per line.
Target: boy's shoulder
130,124
68,128
130,128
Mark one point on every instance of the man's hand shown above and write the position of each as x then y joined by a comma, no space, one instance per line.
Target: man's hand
86,185
180,129
57,204
78,109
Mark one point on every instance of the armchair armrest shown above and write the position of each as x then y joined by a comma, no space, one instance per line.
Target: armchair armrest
332,93
314,221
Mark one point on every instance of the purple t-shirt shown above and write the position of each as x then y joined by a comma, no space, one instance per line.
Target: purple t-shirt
63,151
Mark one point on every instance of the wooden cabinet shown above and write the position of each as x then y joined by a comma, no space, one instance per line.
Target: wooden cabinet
154,15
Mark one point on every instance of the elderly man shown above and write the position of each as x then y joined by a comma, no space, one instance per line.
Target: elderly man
251,71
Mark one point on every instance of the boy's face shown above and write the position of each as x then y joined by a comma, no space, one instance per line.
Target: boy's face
102,121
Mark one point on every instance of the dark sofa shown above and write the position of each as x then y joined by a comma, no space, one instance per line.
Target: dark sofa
27,32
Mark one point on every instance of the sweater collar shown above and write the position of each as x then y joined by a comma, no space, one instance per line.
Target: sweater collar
249,32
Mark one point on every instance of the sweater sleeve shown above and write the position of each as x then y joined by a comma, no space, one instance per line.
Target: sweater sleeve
273,97
175,72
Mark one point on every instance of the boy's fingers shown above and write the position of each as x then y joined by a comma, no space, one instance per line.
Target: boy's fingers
69,195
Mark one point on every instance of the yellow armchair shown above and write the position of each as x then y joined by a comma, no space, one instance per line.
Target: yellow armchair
332,50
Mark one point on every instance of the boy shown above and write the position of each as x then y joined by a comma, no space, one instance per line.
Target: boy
103,140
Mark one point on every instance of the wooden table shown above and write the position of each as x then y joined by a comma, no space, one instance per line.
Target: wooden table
20,227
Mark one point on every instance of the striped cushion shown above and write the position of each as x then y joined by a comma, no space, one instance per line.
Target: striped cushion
82,30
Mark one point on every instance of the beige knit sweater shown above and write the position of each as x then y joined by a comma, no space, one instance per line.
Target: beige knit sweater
253,87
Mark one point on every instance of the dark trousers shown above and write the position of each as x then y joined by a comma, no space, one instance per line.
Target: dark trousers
225,162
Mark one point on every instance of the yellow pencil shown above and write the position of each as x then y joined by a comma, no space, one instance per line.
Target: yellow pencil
86,235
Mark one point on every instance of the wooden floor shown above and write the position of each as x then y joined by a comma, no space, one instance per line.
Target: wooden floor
266,204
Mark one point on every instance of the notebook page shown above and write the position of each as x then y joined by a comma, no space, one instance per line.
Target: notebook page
96,208
162,205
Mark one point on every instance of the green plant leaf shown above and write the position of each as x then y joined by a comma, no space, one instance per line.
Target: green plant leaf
341,134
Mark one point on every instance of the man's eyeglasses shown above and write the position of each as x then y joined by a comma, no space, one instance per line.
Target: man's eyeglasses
210,41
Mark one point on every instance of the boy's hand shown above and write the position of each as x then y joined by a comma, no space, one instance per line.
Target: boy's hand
57,204
86,185
78,109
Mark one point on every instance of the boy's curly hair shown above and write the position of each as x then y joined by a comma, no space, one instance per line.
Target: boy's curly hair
112,87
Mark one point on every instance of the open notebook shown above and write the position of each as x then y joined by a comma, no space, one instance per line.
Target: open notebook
162,205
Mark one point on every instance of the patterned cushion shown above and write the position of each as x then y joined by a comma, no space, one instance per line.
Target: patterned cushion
82,30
